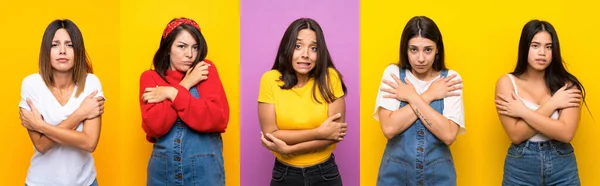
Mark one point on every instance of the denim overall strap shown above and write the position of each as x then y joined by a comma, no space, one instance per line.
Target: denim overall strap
411,157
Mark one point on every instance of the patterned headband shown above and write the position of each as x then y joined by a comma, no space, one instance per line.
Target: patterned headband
174,24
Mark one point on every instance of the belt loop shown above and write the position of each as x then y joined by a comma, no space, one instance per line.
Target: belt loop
527,144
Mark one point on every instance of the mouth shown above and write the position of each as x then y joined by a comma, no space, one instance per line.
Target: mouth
303,64
420,66
62,60
541,61
189,63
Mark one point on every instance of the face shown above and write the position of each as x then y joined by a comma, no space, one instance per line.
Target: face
305,52
540,51
421,54
61,52
183,52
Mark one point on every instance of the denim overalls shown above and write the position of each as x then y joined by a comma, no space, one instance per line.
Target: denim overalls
187,157
416,156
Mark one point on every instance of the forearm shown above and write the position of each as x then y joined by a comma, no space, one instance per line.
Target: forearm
435,122
293,137
526,131
310,146
42,143
399,120
85,140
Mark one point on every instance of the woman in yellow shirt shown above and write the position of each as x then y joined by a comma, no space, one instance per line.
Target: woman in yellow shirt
301,108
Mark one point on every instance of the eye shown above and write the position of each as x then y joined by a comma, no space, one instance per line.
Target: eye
297,46
534,46
549,47
428,50
195,47
313,48
412,49
180,46
54,45
70,45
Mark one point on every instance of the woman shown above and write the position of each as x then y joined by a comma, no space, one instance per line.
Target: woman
184,111
539,107
301,108
420,108
61,107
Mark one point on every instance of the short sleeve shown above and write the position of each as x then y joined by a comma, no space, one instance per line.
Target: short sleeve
336,83
93,83
27,91
454,107
386,103
267,83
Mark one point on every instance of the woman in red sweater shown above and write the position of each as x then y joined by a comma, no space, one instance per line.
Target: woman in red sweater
184,110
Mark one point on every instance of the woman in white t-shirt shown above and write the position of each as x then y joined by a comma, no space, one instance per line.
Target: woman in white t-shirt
61,107
420,108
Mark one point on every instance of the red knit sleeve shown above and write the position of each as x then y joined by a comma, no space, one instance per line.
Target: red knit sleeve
157,118
210,112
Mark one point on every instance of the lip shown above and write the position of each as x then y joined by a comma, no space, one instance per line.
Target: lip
62,59
187,62
420,66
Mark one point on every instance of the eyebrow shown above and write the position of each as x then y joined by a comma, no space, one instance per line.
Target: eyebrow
535,42
428,46
58,41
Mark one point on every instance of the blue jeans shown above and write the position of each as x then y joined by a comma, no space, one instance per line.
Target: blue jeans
540,163
322,174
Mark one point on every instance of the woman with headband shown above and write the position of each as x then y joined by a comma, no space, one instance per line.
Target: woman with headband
184,110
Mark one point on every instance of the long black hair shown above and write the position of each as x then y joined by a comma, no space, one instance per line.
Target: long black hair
283,61
555,75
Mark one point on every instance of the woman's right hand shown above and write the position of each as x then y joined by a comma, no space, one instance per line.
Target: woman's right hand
565,98
332,130
91,106
195,75
444,87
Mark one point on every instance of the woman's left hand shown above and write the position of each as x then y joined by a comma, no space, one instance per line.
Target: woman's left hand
275,144
158,94
510,106
400,91
32,120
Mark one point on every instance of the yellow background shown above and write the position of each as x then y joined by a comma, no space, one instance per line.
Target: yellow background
142,23
481,41
23,24
121,38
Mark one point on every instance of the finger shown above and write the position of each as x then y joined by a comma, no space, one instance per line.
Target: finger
564,87
407,81
502,97
575,100
513,95
389,90
450,77
340,138
455,87
451,94
344,125
501,102
264,140
276,140
31,106
390,83
454,82
93,94
574,105
396,79
149,89
333,117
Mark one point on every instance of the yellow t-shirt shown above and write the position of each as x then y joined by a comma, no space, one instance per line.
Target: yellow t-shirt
295,109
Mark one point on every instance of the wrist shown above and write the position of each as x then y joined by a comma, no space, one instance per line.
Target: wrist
426,98
185,84
173,93
412,98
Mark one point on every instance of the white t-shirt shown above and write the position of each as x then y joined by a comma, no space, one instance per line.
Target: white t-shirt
453,106
61,165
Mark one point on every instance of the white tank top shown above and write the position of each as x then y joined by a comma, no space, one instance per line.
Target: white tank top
532,106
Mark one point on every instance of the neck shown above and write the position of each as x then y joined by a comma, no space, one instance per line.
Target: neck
302,80
62,80
533,75
428,75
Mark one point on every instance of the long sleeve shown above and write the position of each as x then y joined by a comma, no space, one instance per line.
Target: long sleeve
157,118
210,112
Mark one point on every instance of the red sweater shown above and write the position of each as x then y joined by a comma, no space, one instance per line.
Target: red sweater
209,113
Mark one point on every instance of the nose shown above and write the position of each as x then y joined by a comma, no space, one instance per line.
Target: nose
62,49
421,57
189,52
542,52
305,53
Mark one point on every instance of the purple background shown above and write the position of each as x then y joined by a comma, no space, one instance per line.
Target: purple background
263,23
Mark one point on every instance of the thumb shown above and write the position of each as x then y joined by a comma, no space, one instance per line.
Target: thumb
31,106
513,95
93,94
334,117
